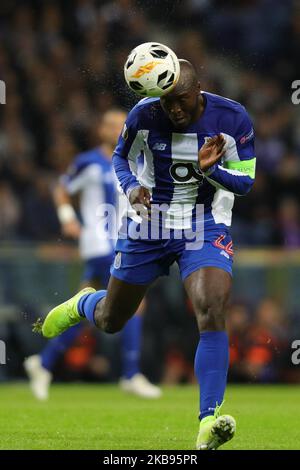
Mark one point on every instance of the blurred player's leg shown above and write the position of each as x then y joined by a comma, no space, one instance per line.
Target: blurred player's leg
131,347
132,380
208,289
58,346
39,377
39,368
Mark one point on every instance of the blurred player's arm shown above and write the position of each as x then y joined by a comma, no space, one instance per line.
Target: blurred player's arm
229,163
70,225
125,157
70,184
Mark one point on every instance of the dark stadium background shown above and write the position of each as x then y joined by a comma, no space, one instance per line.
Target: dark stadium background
62,65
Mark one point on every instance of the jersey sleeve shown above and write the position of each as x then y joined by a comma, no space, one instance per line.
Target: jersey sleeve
76,177
125,157
236,172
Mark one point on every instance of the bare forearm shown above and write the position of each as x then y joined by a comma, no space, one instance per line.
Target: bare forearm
60,196
65,212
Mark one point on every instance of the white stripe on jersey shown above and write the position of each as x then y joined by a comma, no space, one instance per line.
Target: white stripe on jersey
147,176
221,206
135,151
184,150
231,153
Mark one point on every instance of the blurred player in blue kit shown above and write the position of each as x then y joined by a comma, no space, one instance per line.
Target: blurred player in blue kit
92,176
199,153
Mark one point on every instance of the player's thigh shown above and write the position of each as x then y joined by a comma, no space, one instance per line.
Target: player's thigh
208,288
123,298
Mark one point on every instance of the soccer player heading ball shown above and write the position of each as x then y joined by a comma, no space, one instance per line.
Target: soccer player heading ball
199,153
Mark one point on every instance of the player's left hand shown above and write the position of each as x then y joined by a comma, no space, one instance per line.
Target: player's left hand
211,152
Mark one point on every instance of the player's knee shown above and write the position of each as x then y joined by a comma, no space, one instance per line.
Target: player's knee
210,312
111,325
107,320
111,328
207,302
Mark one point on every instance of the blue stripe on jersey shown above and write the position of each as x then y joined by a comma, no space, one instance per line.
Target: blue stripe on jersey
162,192
203,203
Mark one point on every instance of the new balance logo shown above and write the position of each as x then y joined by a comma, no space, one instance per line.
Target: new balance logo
159,146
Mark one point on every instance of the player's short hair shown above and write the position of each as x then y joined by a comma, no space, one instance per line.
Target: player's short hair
187,73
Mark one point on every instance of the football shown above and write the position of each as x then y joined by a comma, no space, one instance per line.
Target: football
151,69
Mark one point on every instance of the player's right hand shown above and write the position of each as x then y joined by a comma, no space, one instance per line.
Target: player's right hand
139,199
71,229
211,152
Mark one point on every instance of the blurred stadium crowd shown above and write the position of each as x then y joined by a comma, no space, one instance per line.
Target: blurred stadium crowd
62,62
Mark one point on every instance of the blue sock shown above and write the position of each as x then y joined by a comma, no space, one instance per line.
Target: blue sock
131,347
87,304
211,366
57,346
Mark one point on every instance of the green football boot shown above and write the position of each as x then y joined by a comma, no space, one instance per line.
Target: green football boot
215,430
65,315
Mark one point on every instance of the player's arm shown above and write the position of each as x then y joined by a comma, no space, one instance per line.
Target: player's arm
125,157
237,172
70,225
68,185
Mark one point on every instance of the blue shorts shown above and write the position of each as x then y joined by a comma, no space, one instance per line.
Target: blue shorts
143,261
98,268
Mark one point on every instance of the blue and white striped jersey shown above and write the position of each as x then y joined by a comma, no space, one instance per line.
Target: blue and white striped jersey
171,170
92,176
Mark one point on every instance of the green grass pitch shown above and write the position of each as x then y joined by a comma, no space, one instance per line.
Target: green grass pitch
103,417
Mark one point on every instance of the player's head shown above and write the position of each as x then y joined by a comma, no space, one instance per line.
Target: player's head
182,103
111,125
